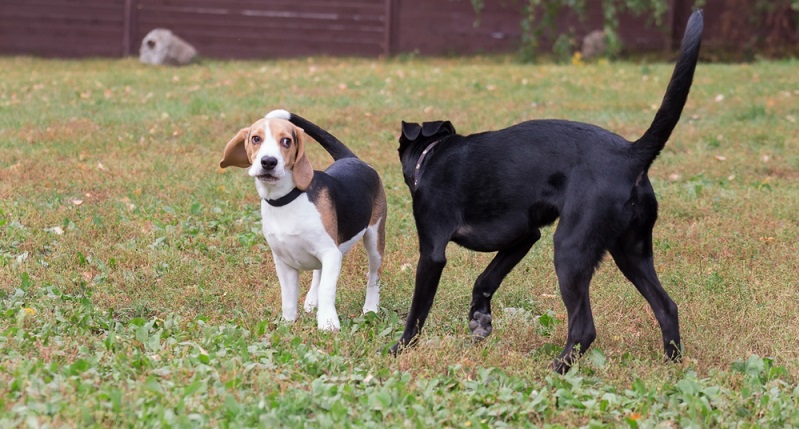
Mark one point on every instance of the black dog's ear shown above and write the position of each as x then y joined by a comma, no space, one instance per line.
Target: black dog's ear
411,130
444,128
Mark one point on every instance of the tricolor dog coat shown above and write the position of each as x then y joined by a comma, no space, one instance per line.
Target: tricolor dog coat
311,218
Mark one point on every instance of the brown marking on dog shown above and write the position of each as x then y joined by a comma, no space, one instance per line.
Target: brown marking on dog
236,151
327,211
241,150
291,142
379,212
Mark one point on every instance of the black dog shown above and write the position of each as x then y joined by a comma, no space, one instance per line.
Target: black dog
492,191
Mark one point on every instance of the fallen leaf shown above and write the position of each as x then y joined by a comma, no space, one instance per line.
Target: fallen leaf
720,158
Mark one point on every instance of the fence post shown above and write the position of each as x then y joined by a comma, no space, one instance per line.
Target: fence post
389,28
129,27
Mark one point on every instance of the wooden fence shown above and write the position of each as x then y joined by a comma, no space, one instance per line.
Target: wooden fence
279,28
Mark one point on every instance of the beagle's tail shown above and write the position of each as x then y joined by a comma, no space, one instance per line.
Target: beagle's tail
332,145
647,148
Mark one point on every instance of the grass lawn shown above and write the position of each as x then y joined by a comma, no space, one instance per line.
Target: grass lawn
136,289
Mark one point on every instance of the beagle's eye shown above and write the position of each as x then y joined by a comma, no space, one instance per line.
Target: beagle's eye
285,141
256,139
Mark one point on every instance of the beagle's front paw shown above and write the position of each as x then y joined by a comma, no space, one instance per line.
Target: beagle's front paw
327,320
290,314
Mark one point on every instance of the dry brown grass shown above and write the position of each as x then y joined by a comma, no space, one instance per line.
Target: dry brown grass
160,230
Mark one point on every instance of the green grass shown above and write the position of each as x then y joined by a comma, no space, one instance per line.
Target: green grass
137,290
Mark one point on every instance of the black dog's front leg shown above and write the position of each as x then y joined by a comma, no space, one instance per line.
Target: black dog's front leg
480,321
428,275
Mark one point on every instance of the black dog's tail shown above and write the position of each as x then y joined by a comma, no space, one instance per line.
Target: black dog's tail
647,148
332,145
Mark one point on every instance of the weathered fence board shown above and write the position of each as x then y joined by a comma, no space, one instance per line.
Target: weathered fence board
279,28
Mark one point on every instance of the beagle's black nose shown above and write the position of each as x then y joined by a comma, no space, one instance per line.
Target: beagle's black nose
268,162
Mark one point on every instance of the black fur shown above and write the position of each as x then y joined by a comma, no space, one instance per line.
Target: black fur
353,185
332,145
492,191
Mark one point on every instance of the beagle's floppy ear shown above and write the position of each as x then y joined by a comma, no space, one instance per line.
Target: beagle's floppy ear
302,172
411,130
236,151
445,128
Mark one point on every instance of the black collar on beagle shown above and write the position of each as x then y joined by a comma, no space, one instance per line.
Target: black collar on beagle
285,199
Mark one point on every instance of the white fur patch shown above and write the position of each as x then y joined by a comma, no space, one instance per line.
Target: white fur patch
285,182
278,114
295,233
347,245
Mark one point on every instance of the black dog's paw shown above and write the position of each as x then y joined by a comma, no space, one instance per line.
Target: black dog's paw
673,350
480,326
560,366
400,346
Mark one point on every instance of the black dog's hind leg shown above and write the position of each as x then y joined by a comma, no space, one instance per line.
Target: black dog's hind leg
488,282
577,254
633,255
432,260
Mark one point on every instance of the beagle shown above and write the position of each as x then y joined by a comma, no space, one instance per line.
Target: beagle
311,218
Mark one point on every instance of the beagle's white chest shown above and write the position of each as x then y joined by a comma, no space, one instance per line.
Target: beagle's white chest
295,233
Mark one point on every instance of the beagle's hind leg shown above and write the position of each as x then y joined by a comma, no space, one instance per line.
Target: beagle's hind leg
374,242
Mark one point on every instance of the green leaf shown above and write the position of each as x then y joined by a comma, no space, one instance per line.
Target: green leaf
596,357
196,386
78,367
232,406
26,281
153,385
